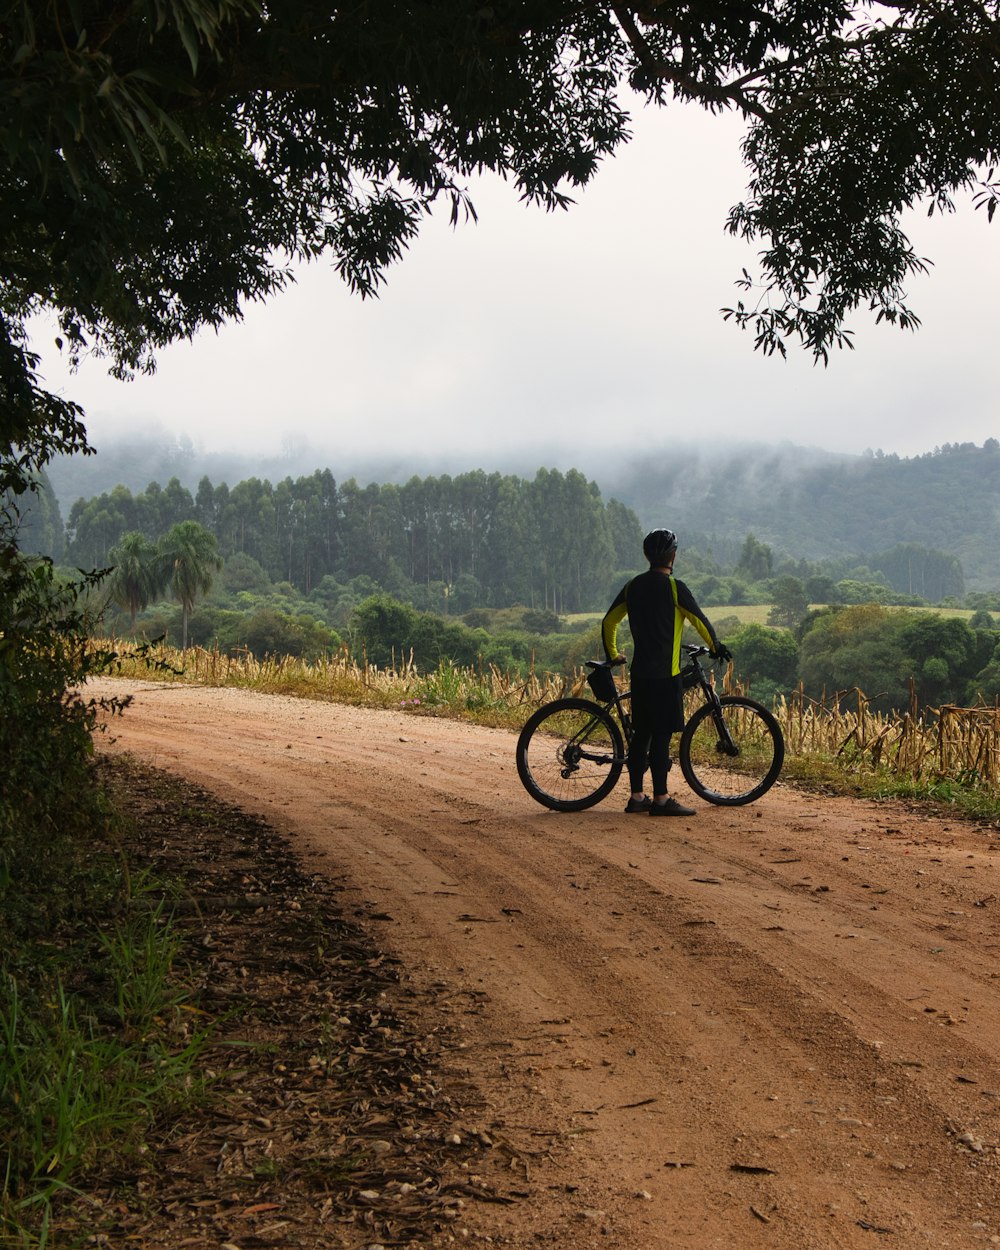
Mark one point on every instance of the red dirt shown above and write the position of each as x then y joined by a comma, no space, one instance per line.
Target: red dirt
769,1027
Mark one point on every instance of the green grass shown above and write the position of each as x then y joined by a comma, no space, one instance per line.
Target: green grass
757,613
96,1039
826,774
748,613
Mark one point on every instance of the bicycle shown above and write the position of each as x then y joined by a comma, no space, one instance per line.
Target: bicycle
571,752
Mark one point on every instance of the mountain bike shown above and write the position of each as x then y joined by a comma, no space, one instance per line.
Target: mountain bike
571,752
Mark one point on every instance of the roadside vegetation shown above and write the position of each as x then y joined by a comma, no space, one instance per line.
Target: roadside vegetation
97,1035
95,1038
839,742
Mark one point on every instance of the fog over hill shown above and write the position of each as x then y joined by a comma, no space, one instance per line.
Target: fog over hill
804,502
813,504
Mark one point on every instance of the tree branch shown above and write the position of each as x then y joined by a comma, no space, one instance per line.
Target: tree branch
667,71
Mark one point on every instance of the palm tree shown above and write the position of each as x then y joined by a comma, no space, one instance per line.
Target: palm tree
136,577
190,557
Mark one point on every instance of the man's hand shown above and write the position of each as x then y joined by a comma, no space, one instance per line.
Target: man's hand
722,653
619,659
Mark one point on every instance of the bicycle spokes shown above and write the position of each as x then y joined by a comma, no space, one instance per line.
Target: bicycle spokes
570,754
731,751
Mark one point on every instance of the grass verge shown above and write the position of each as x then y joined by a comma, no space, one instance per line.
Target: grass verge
96,1041
858,779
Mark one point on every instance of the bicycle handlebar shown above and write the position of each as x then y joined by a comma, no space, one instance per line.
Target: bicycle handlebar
693,649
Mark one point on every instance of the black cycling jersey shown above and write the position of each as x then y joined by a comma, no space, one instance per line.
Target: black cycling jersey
656,604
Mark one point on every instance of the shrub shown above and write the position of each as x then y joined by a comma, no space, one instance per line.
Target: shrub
767,658
270,632
45,722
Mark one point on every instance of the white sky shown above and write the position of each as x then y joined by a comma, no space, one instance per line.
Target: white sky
552,332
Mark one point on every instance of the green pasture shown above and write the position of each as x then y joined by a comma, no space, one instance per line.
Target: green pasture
757,613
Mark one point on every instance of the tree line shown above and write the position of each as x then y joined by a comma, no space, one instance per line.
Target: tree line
478,539
863,637
905,574
844,512
896,656
453,543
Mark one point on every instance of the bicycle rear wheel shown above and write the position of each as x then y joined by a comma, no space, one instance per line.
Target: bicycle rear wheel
570,755
731,775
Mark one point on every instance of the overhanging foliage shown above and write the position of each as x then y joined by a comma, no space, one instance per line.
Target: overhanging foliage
163,163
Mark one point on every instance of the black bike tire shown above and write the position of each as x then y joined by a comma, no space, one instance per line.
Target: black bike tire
535,787
700,786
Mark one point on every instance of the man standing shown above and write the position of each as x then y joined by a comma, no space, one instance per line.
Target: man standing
657,605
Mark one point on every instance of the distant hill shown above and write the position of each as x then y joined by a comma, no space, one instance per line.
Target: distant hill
800,501
812,504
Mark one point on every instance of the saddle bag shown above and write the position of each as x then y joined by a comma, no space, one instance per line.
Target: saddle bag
602,683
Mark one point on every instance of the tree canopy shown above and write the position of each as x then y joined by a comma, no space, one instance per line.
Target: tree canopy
190,556
164,163
895,656
478,538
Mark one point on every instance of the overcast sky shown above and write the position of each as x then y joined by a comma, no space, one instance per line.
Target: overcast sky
597,328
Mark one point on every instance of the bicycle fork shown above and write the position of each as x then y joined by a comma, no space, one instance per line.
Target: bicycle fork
725,744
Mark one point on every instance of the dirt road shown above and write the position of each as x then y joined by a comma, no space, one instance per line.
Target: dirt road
767,1027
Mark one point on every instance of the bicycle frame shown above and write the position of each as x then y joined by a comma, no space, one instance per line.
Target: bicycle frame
572,751
692,674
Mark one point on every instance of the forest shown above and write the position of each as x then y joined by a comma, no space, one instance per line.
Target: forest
496,569
445,543
492,540
802,502
818,505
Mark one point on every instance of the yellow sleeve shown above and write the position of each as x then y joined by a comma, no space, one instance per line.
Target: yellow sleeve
609,626
688,607
700,625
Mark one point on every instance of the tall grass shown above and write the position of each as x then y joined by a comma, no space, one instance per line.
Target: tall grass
486,694
937,751
946,753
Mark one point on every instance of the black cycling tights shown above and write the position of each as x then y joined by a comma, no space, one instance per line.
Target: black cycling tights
654,751
656,715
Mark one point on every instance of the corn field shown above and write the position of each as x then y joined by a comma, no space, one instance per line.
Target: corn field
923,746
960,744
501,697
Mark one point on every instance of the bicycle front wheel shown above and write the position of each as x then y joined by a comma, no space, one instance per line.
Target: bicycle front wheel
570,755
732,754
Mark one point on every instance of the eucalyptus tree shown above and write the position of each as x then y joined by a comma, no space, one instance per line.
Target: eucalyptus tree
790,602
189,556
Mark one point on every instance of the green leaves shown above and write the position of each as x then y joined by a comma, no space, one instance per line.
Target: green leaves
163,160
188,556
137,574
900,111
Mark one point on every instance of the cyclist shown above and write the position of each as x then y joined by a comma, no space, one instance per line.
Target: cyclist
656,604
